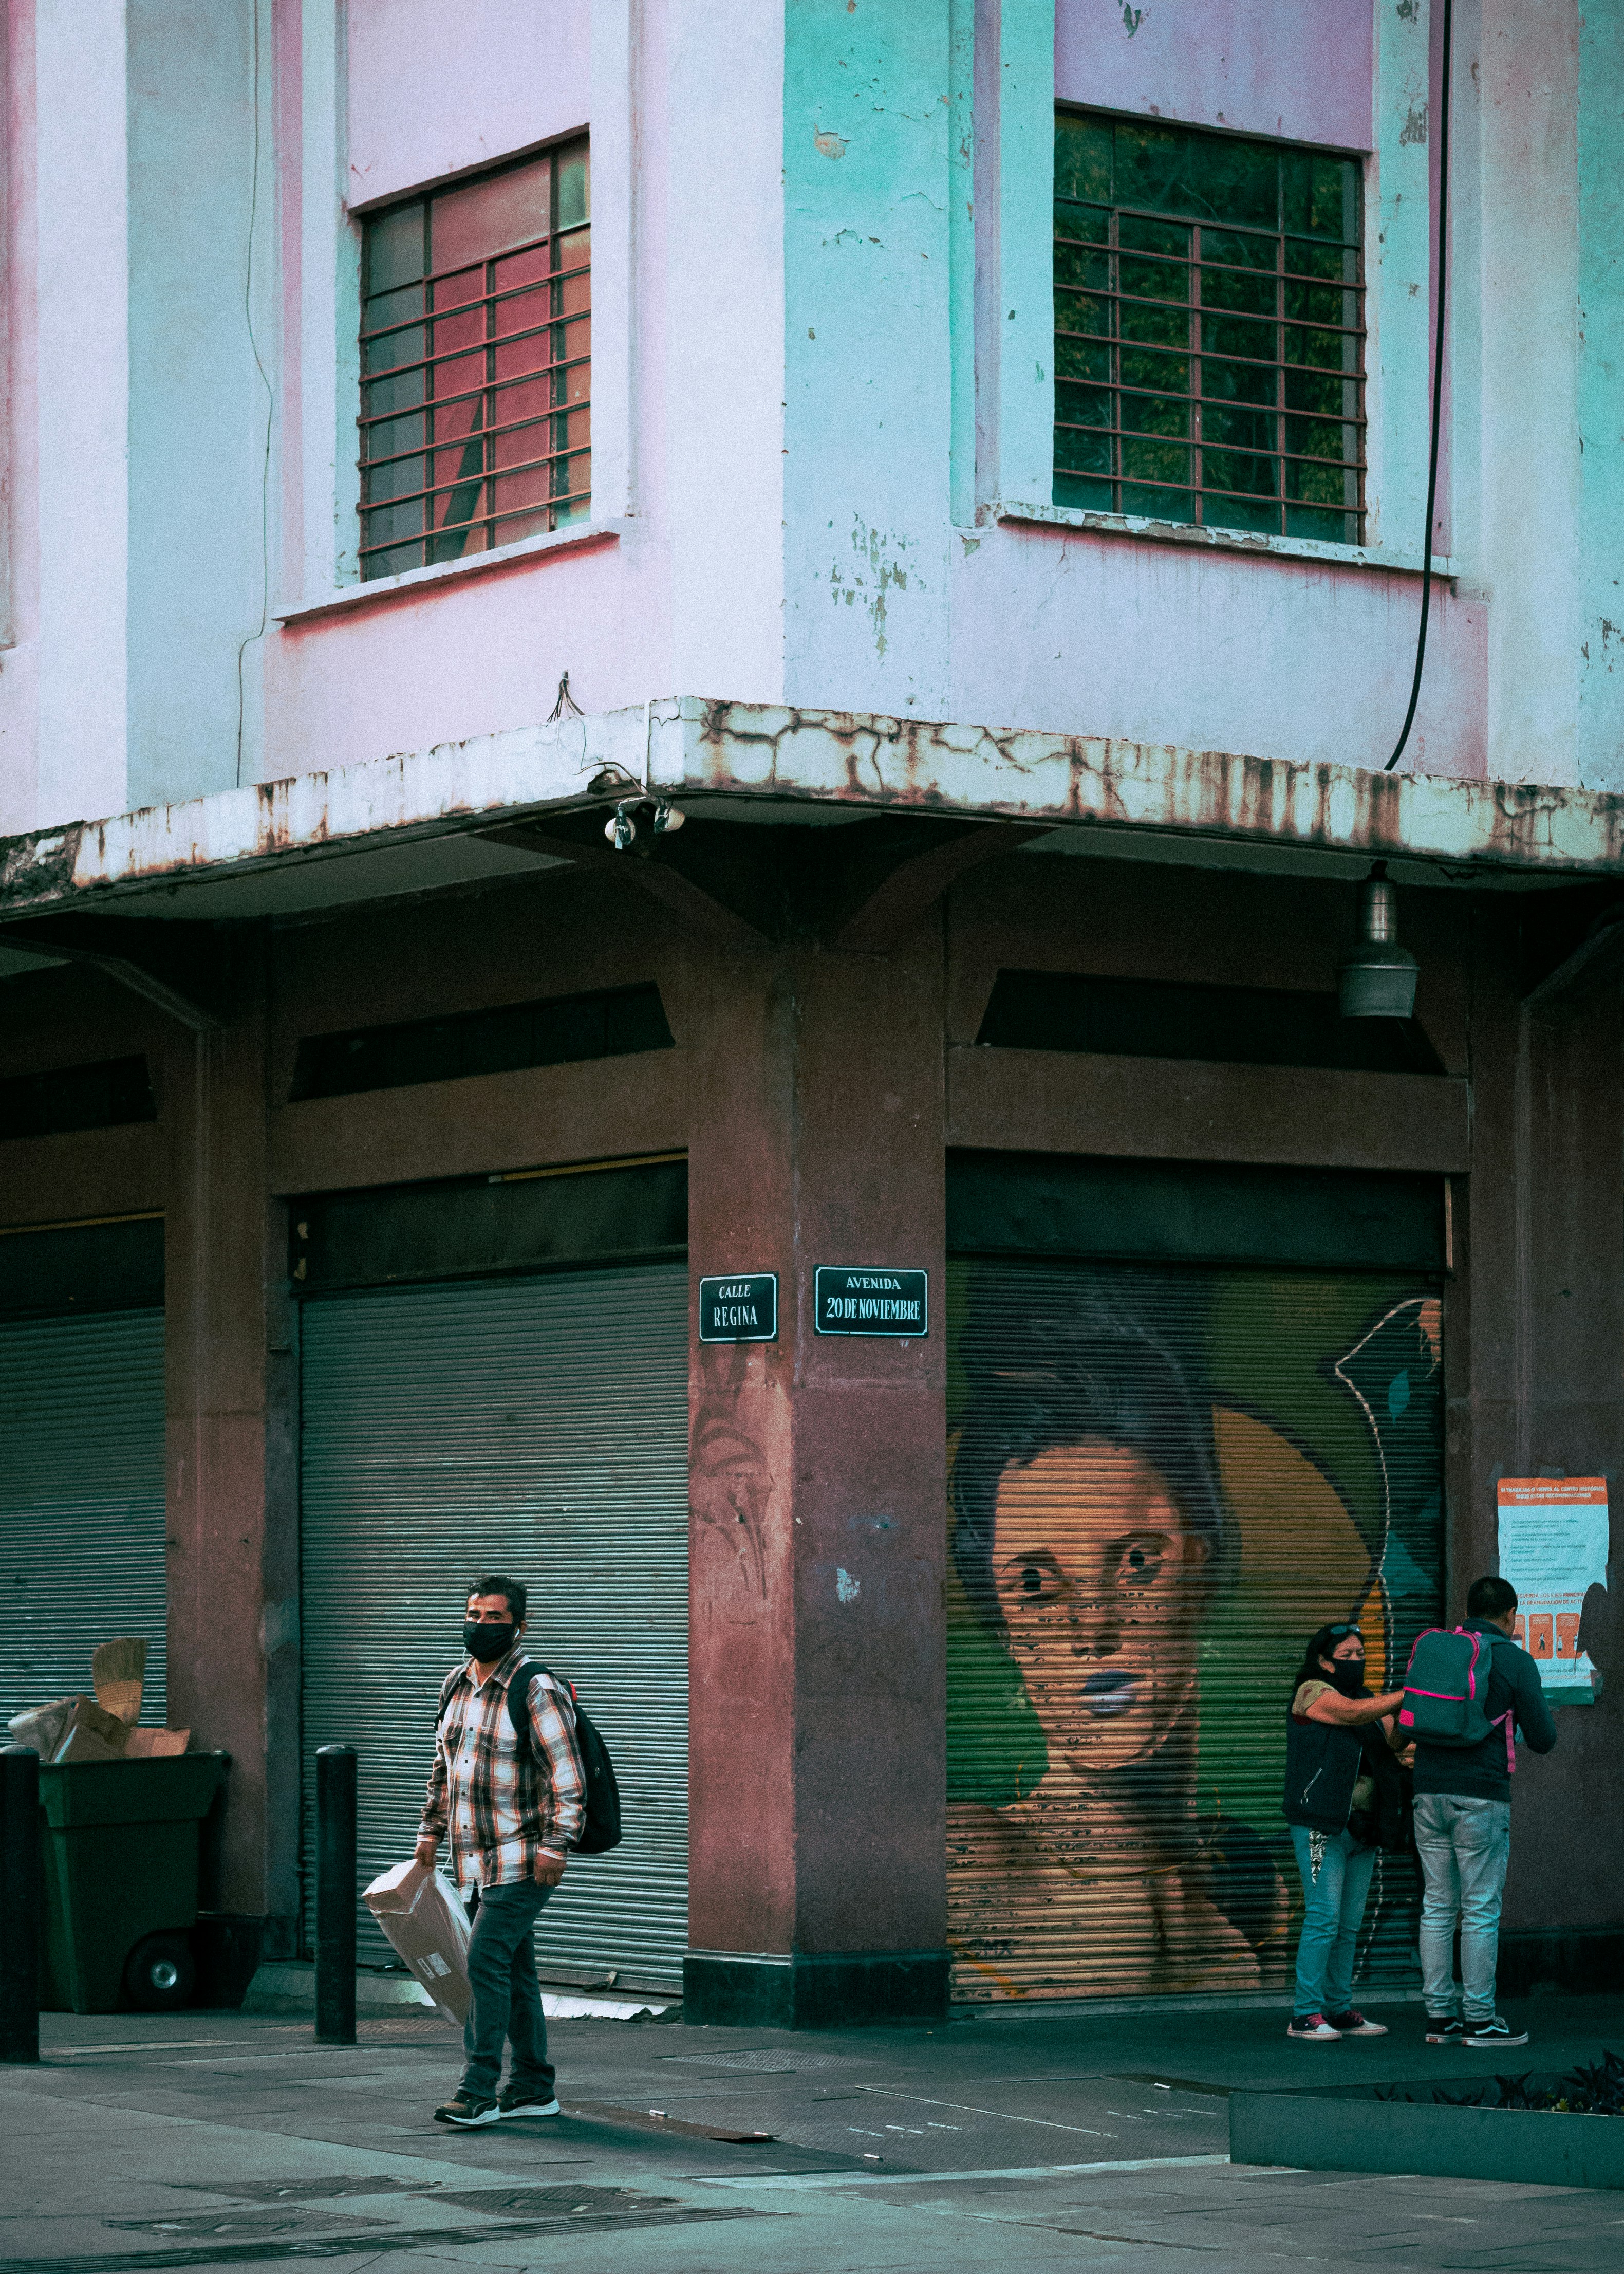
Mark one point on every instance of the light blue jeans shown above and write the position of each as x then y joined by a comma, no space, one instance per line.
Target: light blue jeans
1334,1897
1464,1844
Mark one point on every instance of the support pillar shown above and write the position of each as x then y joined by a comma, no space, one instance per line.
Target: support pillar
233,1548
818,1848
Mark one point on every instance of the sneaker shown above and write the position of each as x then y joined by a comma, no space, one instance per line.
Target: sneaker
1313,2029
520,2101
1489,2037
1353,2024
1445,2029
469,2108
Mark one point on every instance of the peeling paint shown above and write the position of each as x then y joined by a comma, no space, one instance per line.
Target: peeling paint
846,1587
698,746
875,573
829,144
1414,128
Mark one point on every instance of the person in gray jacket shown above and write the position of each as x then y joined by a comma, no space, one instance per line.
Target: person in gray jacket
1463,1833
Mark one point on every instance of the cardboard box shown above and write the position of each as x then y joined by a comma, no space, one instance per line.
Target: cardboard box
422,1913
71,1730
79,1729
155,1744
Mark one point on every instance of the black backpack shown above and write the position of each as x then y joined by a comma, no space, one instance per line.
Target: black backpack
600,1825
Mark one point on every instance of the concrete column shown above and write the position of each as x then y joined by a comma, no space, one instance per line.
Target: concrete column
817,1488
233,1544
1533,1326
1572,1299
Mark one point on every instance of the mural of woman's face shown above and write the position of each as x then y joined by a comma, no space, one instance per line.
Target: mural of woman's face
1099,1581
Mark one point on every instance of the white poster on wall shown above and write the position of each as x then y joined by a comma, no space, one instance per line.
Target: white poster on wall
1552,1547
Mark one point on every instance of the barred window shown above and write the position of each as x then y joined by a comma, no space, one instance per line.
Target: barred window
476,364
1209,330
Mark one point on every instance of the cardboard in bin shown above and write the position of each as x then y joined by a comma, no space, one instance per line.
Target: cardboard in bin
102,1727
422,1913
71,1730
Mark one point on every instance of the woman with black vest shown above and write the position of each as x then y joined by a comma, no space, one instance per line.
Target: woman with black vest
1344,1799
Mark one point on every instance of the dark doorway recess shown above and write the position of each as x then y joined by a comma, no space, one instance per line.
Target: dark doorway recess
616,1022
1046,1204
1234,1025
64,1269
100,1096
484,1227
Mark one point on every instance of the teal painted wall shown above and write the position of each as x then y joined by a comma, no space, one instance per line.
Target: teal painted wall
1601,396
867,425
198,503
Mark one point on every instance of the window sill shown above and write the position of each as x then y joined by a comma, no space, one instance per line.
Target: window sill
572,539
1215,540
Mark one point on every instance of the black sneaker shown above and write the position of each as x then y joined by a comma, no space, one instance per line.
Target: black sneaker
469,2108
519,2100
1489,2037
1312,2030
1355,2025
1445,2029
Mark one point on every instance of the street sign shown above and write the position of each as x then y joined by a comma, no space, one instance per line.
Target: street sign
870,1299
742,1309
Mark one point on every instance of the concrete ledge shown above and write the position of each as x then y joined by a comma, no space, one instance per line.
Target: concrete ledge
1173,1109
805,1990
290,1987
1323,2132
483,1124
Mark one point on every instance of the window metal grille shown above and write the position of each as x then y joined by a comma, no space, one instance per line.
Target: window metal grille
476,365
1209,330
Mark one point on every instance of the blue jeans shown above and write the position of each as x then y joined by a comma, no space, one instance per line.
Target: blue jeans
501,1966
1464,1844
1333,1904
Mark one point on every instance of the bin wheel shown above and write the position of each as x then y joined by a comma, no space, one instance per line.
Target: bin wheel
160,1975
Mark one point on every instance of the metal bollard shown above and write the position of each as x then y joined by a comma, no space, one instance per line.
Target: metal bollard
20,1903
335,1895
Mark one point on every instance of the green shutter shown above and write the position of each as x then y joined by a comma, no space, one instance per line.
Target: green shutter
535,1426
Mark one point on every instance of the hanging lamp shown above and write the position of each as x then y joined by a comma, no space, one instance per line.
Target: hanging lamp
1378,981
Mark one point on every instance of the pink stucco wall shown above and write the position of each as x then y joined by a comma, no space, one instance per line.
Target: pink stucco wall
687,596
433,90
1300,68
1161,642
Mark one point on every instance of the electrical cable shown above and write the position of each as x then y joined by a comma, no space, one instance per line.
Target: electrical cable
1438,392
270,406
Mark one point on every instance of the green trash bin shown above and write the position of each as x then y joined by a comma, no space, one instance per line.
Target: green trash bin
121,1842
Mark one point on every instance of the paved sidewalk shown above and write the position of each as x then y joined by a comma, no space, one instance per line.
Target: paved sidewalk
219,2140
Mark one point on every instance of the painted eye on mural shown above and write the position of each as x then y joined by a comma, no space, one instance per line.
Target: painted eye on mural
1139,1562
1031,1578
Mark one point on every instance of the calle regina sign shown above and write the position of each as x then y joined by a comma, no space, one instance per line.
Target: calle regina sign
870,1298
742,1309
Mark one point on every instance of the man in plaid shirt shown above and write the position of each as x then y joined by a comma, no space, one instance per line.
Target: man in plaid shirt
511,1808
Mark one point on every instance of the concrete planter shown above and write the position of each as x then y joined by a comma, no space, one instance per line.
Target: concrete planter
1347,2129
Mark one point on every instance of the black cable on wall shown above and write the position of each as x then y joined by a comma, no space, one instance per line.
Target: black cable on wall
1438,390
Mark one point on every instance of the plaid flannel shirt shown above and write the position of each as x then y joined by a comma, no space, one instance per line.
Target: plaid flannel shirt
498,1809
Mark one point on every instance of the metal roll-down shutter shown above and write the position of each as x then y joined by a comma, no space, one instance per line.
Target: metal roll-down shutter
535,1425
1163,1478
82,1501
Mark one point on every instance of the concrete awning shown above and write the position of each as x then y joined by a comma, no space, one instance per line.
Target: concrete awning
535,796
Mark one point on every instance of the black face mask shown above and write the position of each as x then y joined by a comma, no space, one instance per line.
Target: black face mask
488,1639
1347,1676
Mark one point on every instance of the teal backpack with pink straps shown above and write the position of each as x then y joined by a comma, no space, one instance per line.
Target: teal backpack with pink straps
1446,1690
